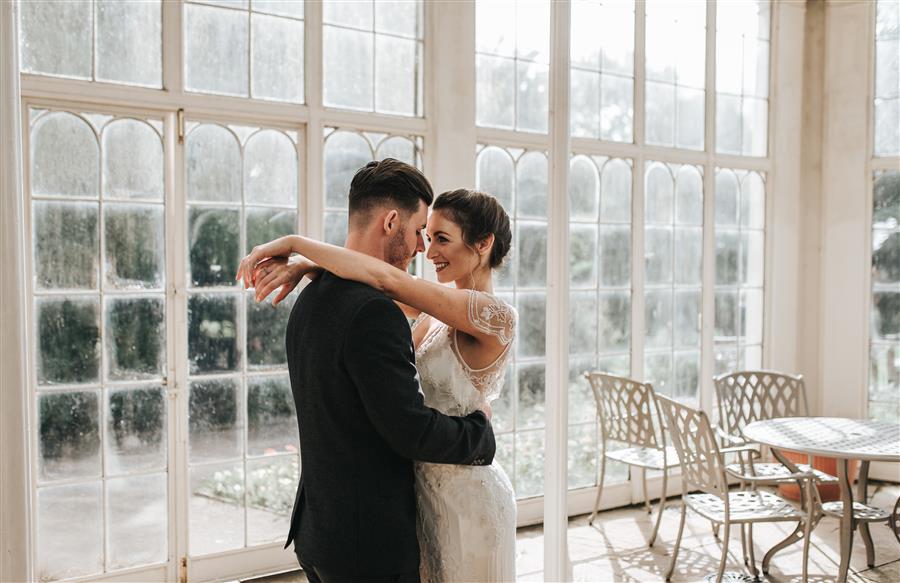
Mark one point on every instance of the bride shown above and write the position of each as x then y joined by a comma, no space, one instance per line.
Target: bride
463,338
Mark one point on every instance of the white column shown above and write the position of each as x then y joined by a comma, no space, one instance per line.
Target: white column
845,225
15,503
556,564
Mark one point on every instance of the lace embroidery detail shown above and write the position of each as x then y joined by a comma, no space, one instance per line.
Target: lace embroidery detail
492,315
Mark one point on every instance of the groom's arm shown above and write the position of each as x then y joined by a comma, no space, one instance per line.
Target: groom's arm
379,358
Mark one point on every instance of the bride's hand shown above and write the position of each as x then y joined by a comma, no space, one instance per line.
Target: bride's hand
278,272
280,247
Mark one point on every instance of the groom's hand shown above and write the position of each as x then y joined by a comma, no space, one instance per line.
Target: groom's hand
486,409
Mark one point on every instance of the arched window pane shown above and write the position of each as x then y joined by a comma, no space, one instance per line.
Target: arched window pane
345,153
270,169
65,157
132,161
213,165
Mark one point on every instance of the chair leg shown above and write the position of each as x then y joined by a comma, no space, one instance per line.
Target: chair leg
744,543
715,529
807,528
727,528
751,557
677,541
644,486
599,489
662,507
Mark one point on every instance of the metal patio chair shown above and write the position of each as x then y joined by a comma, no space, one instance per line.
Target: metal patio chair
753,395
705,485
629,414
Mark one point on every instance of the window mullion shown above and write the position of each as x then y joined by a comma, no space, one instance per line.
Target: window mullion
172,48
707,293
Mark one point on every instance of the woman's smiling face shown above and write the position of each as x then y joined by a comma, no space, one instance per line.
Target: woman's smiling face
452,258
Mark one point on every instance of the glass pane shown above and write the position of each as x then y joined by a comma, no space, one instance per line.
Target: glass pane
494,175
887,126
216,508
335,228
397,86
402,149
129,42
531,182
755,114
532,30
56,38
532,100
495,30
277,58
354,14
135,338
886,200
135,239
660,114
616,108
583,255
264,224
751,315
66,245
753,201
292,8
727,250
887,67
403,18
884,379
582,408
752,260
213,165
529,464
502,419
496,90
687,374
216,425
658,370
658,318
615,256
532,324
65,157
266,329
584,101
687,318
531,243
689,197
132,161
531,384
727,193
65,547
688,255
271,419
214,251
885,256
68,340
582,323
271,488
658,255
584,189
345,153
615,323
136,511
689,130
728,124
137,430
726,322
885,316
270,169
212,333
348,67
583,448
615,186
69,430
659,197
215,50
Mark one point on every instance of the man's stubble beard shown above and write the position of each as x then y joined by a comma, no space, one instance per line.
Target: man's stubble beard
399,255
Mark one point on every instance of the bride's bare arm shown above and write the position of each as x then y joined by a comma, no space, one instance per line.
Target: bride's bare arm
449,305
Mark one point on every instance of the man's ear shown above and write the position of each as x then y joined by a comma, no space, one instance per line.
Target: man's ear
391,221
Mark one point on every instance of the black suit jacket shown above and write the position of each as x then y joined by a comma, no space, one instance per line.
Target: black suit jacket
362,421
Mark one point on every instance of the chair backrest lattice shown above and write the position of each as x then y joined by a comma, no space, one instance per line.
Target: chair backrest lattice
694,440
754,395
627,409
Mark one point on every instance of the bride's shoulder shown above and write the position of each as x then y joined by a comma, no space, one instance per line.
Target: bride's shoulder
492,315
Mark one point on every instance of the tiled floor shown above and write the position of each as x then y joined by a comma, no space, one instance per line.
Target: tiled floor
615,549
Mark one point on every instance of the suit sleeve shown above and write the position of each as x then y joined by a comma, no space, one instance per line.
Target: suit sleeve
378,354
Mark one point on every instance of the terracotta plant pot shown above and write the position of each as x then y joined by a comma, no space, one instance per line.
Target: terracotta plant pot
828,492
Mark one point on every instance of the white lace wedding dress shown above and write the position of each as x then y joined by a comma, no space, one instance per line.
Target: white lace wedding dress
467,514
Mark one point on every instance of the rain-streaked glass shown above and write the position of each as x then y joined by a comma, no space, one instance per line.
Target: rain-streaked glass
398,88
129,42
68,340
66,245
271,419
584,189
583,255
212,333
495,175
137,429
132,161
65,547
496,94
531,185
615,188
213,245
658,318
215,420
69,435
658,255
531,384
583,322
216,508
614,327
136,521
532,324
65,157
135,246
531,247
213,165
615,256
345,153
266,224
348,68
277,63
135,338
270,169
216,50
266,329
56,38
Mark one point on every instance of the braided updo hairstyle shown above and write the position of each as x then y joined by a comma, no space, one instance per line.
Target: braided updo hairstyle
478,215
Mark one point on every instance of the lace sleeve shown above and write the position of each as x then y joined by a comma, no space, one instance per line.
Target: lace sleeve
492,315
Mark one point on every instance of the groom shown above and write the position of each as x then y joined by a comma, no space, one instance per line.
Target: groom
362,419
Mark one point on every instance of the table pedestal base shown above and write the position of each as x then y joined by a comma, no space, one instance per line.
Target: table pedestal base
731,577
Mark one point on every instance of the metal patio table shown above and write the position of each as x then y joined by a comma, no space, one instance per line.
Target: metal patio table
843,439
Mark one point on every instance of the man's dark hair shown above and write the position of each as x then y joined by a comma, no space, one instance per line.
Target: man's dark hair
387,182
